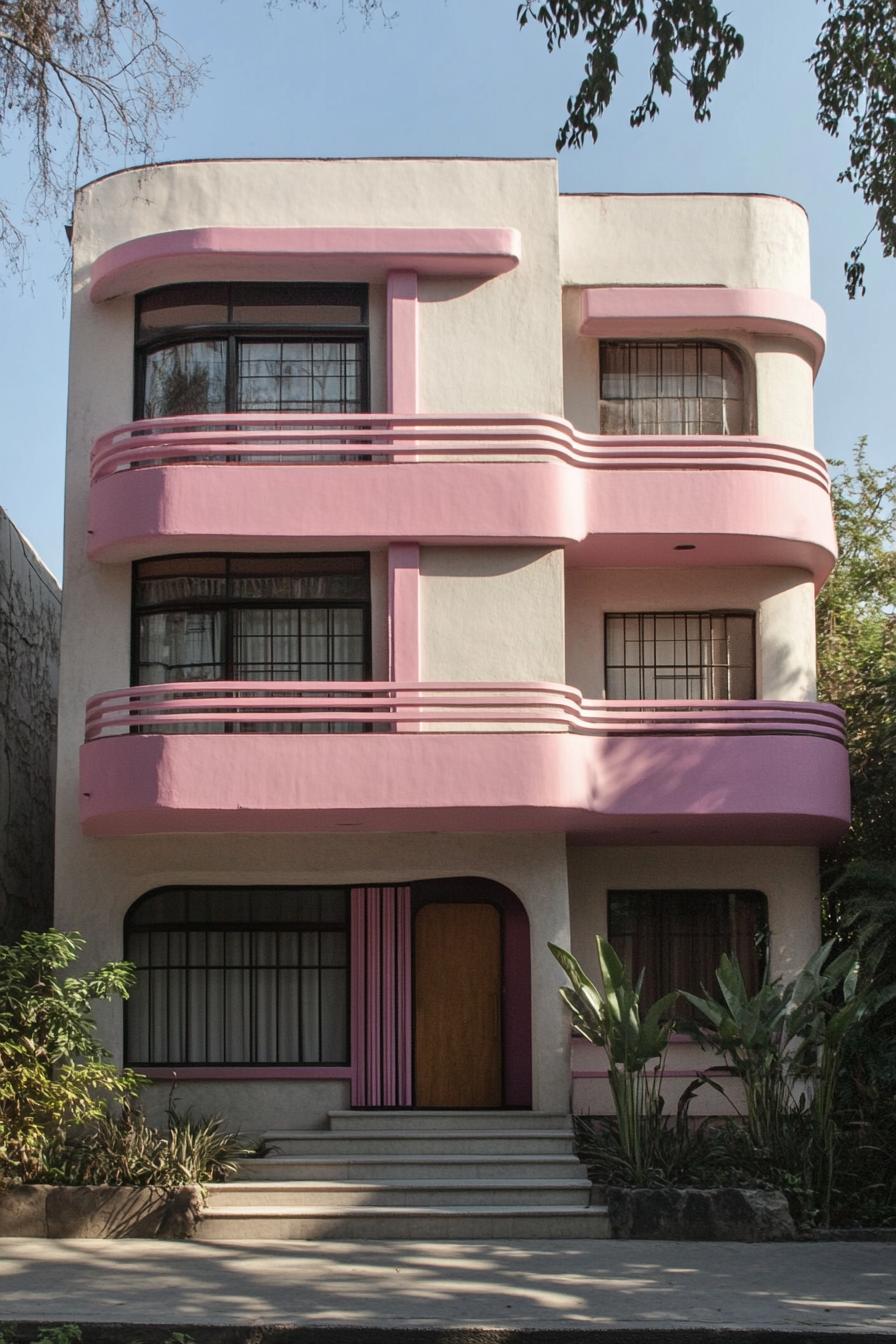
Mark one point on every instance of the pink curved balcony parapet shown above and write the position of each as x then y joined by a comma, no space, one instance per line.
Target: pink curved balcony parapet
208,482
642,311
195,756
227,252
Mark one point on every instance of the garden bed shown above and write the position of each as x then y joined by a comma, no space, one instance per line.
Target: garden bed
98,1211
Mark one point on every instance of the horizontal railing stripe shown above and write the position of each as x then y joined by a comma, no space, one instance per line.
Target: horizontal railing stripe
388,439
526,706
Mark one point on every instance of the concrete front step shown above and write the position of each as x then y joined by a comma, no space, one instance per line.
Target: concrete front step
461,1121
373,1223
362,1166
350,1195
325,1142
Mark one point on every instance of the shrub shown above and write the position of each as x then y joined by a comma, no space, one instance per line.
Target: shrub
125,1149
612,1019
54,1074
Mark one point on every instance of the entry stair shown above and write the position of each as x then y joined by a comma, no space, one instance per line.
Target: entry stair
407,1175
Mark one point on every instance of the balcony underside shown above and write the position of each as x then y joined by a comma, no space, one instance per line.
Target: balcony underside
702,785
735,502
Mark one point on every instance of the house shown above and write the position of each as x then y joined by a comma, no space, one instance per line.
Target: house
440,577
30,611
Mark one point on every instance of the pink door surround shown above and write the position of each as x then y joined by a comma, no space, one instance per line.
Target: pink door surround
381,1027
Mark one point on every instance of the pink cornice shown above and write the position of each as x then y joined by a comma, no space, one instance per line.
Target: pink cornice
331,253
629,311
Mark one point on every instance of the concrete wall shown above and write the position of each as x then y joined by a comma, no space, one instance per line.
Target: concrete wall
783,600
30,601
491,614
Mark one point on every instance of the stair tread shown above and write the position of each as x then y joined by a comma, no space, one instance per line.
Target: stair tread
422,1183
448,1159
400,1210
343,1136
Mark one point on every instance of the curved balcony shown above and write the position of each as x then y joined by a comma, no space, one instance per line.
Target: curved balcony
272,480
382,756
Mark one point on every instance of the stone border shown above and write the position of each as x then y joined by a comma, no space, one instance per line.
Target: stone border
689,1214
98,1211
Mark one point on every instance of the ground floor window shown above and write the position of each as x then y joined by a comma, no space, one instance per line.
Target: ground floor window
238,976
678,937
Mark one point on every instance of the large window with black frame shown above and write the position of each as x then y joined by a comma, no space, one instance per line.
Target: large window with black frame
238,976
678,937
671,387
680,655
248,618
218,348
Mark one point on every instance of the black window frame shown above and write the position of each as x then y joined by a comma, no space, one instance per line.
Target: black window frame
700,344
682,670
294,926
232,332
659,895
228,605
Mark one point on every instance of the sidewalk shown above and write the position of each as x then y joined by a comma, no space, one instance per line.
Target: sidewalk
649,1288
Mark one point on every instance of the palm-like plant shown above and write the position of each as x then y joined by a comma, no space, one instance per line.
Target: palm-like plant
611,1017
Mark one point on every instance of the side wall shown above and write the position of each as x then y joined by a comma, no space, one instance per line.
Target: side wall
30,602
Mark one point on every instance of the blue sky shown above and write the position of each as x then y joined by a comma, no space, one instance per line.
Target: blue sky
458,77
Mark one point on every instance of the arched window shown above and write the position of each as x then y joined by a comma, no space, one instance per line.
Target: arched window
238,976
671,387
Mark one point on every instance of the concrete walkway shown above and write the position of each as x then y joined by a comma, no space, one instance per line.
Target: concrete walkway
815,1291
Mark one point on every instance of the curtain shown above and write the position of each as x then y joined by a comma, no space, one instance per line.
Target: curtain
186,379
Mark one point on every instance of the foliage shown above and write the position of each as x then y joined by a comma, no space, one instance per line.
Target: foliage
612,1019
81,79
786,1044
854,62
856,622
54,1074
124,1149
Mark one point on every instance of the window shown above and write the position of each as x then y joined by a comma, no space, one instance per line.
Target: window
680,655
670,387
233,975
203,349
252,618
678,937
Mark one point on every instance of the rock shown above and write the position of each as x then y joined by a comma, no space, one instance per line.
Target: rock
23,1210
726,1214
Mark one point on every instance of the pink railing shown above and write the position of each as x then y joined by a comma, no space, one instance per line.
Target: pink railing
529,706
278,438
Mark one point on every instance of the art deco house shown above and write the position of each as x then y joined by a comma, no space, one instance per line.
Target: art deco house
441,555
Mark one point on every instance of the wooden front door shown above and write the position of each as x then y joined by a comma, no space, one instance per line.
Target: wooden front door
457,1005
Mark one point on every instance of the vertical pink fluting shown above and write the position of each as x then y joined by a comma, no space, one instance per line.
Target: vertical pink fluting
381,996
402,350
359,978
405,1074
373,1024
388,996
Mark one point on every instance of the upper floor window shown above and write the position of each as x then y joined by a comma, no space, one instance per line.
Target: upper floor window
680,655
670,387
252,618
204,349
678,937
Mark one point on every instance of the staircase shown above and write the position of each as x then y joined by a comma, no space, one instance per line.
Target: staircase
402,1175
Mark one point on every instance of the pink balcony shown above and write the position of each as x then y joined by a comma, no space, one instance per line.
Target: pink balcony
239,756
279,480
